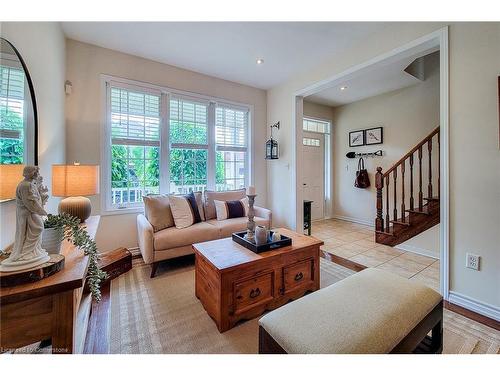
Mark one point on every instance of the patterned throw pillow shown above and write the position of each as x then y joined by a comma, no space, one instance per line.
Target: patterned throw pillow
231,209
185,210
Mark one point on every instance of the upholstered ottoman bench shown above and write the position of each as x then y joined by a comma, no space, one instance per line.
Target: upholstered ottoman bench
373,311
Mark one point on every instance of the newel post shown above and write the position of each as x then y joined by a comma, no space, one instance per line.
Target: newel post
379,184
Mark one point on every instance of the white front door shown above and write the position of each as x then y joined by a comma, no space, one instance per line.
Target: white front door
313,176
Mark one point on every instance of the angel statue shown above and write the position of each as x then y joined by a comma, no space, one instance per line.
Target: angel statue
31,197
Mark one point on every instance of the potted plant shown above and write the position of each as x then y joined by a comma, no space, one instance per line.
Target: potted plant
65,226
52,235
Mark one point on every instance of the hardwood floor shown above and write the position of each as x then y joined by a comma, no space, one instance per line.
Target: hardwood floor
344,242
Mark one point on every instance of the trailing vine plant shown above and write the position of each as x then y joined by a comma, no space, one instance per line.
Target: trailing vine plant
78,236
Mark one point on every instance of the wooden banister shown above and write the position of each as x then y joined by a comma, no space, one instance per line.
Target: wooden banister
412,151
381,223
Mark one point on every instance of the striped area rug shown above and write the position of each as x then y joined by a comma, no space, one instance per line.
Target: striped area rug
162,315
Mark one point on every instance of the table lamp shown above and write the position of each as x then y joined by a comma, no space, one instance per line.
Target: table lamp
73,182
10,176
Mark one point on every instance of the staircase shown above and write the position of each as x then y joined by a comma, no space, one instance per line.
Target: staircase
416,213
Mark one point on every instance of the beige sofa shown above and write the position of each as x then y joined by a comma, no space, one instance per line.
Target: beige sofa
172,242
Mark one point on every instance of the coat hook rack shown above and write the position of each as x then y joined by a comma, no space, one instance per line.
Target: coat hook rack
352,155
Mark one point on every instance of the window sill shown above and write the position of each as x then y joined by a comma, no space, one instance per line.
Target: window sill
122,211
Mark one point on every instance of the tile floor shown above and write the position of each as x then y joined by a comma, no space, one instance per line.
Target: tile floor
356,242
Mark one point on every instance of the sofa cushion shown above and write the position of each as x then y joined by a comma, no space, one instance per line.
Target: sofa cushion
238,224
173,237
210,196
157,211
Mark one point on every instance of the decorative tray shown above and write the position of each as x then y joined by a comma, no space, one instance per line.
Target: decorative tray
239,237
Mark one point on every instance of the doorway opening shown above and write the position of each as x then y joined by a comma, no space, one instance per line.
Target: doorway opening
437,41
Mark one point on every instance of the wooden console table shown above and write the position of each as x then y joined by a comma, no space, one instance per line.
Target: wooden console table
233,283
47,309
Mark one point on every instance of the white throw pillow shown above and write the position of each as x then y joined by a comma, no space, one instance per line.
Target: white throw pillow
185,210
231,209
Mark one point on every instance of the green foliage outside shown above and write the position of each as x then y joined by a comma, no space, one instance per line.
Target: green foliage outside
187,167
11,150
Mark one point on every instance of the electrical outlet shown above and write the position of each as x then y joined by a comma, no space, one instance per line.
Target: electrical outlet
472,261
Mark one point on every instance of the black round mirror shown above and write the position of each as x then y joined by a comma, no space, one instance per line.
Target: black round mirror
18,113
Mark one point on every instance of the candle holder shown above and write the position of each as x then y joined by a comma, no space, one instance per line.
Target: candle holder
250,236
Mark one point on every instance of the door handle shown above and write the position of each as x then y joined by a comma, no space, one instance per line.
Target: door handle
254,293
299,276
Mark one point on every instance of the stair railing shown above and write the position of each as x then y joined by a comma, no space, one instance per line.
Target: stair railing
382,180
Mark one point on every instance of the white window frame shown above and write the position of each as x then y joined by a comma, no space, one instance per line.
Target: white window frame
166,93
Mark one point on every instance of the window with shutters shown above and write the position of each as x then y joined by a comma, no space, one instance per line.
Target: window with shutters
188,145
202,143
135,145
231,147
12,114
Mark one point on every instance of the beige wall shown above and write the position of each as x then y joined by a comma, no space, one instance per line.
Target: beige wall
474,154
86,62
407,116
318,111
42,47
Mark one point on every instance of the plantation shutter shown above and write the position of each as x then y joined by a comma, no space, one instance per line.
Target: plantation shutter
231,128
188,123
11,102
135,118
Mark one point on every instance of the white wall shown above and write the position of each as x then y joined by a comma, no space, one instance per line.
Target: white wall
42,46
425,243
474,153
86,62
407,116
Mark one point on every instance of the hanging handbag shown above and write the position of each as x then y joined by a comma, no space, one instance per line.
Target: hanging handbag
362,180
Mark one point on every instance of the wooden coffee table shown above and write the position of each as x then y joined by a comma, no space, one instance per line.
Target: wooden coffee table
234,283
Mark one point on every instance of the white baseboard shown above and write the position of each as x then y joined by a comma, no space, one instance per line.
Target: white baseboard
417,250
482,308
354,220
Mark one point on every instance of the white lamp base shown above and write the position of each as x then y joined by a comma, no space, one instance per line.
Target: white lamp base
17,265
79,207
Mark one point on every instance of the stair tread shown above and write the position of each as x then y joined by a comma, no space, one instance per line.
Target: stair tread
389,233
424,211
431,199
399,222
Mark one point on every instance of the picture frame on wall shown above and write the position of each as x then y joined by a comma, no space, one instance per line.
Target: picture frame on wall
356,138
374,136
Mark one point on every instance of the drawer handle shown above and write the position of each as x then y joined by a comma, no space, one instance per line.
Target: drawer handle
299,276
254,293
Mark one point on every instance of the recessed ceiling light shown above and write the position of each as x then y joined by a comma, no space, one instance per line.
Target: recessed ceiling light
343,88
260,61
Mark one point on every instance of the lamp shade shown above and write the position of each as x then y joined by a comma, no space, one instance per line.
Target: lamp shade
10,176
75,180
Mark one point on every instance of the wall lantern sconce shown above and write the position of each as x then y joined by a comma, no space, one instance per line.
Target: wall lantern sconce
272,149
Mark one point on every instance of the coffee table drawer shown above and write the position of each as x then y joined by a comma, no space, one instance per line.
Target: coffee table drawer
298,274
253,291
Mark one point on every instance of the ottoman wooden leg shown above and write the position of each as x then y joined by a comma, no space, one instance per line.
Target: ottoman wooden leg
437,338
267,345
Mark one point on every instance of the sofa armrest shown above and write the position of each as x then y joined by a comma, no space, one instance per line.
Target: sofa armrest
145,238
265,214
